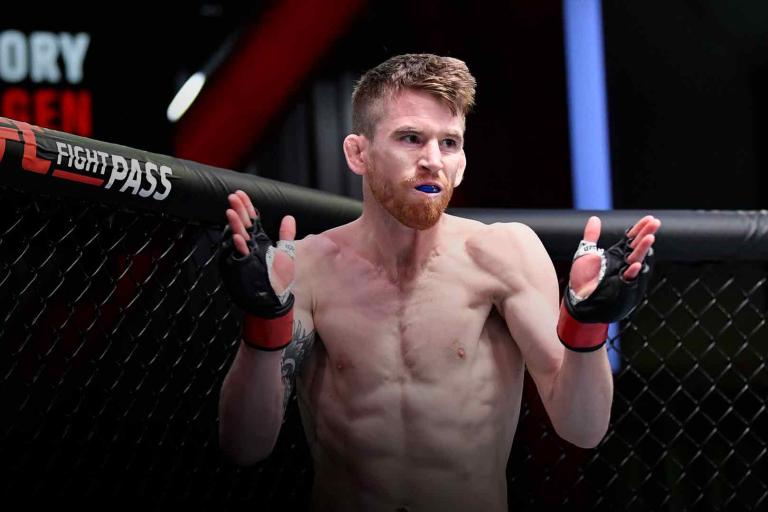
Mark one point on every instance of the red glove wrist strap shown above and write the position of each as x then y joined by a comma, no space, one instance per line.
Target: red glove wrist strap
268,334
579,336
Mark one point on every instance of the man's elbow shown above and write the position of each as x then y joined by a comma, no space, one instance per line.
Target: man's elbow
246,453
587,442
587,439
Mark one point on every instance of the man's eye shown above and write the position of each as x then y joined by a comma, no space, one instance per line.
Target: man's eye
411,138
450,143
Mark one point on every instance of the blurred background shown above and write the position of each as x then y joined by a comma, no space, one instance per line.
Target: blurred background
686,84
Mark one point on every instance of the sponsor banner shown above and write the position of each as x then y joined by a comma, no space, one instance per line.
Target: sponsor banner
57,163
61,156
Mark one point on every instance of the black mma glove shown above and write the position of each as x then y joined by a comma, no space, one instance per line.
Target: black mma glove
583,324
269,320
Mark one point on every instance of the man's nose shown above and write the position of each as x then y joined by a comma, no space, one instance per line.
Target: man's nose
432,157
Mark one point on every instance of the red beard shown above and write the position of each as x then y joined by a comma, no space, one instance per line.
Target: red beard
408,208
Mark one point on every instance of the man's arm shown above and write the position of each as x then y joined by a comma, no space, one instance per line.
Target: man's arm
256,390
294,357
576,387
277,331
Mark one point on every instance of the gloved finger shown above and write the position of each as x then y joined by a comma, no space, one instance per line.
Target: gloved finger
635,229
641,249
288,228
236,224
632,271
649,228
240,244
249,208
648,225
592,229
239,207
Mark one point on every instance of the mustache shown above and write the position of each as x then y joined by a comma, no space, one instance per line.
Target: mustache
415,180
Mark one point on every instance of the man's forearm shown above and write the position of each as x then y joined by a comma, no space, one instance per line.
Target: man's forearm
581,397
251,405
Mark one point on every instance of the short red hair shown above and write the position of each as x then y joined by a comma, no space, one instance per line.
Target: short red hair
446,78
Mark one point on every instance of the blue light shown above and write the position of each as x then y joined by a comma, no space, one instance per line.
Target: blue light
588,118
587,107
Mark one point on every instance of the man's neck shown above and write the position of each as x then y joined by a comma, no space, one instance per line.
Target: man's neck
402,252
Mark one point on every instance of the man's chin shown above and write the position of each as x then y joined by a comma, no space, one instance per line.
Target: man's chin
422,213
418,225
420,220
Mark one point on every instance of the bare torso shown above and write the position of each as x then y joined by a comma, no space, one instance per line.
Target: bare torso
411,395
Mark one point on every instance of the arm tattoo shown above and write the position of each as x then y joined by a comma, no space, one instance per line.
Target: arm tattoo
294,356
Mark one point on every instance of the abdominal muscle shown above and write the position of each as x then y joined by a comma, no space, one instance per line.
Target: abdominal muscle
389,433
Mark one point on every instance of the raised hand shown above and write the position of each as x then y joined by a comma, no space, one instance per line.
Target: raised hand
605,286
258,275
240,216
642,234
585,271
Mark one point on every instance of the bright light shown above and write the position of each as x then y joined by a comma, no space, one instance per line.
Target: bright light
185,96
587,104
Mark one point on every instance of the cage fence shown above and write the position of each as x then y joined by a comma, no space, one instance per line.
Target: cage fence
115,335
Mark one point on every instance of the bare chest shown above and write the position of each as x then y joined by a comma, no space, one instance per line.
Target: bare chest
406,368
414,329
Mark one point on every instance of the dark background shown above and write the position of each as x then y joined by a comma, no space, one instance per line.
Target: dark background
686,86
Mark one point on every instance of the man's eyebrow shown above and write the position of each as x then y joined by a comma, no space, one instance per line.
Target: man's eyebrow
455,135
407,129
411,129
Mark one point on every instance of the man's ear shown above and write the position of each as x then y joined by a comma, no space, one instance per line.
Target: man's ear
356,152
460,170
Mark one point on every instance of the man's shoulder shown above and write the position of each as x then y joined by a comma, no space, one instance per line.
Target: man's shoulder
511,253
316,246
499,237
324,244
513,245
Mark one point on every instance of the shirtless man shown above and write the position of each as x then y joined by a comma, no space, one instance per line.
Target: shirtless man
408,330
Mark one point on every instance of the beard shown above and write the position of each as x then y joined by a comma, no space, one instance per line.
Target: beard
409,209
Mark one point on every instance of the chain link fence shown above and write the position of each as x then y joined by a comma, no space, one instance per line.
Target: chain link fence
689,423
115,335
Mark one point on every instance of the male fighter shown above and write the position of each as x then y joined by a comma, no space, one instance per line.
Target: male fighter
408,330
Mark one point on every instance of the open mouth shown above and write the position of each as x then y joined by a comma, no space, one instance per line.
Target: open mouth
428,189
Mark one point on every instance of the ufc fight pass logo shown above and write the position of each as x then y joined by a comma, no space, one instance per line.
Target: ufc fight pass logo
85,165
